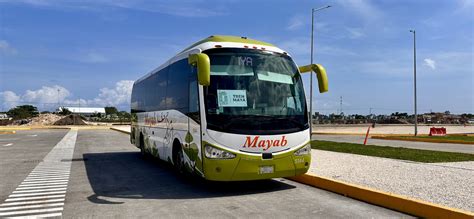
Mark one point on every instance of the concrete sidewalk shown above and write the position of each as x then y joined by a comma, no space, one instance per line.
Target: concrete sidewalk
448,184
462,148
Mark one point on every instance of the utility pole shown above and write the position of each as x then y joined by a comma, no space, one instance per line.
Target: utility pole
58,100
414,76
311,76
340,105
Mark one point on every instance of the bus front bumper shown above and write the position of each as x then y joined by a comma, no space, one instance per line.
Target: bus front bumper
247,167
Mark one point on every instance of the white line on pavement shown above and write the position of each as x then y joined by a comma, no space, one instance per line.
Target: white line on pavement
8,145
26,184
39,190
33,202
39,216
42,193
33,198
40,187
37,194
31,206
31,211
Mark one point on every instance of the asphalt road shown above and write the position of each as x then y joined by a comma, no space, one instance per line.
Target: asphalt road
108,178
359,139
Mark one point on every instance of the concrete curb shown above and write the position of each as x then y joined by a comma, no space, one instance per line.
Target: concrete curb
389,200
422,140
119,130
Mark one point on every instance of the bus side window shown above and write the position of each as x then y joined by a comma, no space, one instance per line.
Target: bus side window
193,97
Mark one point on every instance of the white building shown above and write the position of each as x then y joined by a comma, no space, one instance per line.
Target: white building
84,110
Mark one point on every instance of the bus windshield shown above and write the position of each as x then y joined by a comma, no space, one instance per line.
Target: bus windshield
254,92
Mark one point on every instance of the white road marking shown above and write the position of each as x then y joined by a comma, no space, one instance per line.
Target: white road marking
36,194
33,202
42,193
32,206
48,174
8,145
29,179
31,211
45,181
38,216
40,187
24,184
33,198
32,135
39,190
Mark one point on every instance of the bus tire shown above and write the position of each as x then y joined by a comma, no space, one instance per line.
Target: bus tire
142,146
178,157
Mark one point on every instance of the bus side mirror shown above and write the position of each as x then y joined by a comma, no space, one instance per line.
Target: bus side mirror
201,61
320,73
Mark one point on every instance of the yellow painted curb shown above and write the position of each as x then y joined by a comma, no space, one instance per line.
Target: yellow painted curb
14,128
422,140
8,132
119,130
389,200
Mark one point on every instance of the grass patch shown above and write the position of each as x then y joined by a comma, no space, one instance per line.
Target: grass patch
447,137
424,156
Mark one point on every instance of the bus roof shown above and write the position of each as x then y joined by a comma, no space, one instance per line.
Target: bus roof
230,39
213,42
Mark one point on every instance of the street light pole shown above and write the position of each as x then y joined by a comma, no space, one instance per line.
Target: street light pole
414,74
311,76
58,100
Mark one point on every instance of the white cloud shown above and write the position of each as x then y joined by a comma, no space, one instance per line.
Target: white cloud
46,95
183,9
9,99
355,33
94,57
6,48
363,8
296,22
120,94
46,98
430,63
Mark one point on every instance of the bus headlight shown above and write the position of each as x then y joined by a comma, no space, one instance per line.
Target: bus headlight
214,153
304,150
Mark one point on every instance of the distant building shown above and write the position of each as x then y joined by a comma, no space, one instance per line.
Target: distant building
4,116
85,111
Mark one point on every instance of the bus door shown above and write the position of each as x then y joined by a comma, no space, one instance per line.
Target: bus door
193,136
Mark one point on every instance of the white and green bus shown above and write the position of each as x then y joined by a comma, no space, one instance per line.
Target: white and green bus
228,109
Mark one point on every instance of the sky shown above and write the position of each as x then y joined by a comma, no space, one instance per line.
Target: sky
93,50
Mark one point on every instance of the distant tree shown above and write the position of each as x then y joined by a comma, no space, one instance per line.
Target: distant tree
65,111
45,112
23,112
447,112
124,114
109,110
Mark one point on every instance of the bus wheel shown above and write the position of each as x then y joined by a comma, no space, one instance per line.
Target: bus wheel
178,157
142,146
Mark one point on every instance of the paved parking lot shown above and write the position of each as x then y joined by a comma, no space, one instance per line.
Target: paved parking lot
106,177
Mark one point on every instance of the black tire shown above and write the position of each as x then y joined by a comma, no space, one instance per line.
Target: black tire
179,164
142,147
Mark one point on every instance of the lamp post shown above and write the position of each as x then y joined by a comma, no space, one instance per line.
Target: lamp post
311,76
414,74
58,100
